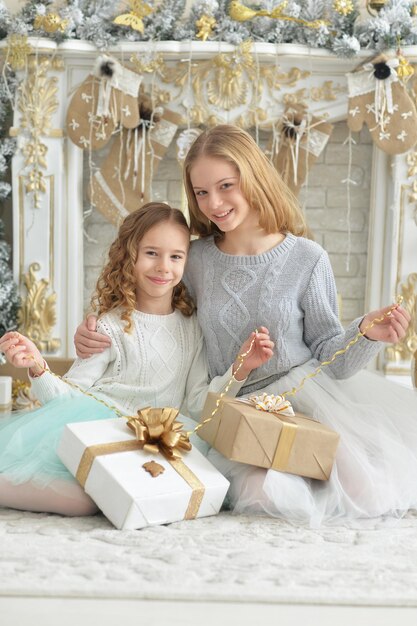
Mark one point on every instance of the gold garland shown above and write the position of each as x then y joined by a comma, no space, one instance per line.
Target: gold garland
377,320
240,358
294,390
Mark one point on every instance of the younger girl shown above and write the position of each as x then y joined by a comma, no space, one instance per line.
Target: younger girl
157,357
253,265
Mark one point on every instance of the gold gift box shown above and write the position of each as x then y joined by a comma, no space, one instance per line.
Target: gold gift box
298,444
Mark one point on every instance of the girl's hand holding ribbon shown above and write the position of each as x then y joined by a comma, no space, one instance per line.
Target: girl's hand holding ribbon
391,329
259,348
21,352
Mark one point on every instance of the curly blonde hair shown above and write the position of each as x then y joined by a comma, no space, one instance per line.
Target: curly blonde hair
260,182
116,285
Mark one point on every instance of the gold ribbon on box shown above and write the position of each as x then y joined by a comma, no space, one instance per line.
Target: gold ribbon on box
156,431
283,409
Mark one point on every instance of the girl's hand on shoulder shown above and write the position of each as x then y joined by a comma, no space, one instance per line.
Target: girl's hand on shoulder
261,351
87,340
392,329
22,352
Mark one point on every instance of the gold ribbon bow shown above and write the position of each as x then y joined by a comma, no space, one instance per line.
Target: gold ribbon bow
158,432
272,404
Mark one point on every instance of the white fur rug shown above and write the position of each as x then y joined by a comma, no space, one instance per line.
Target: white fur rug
223,558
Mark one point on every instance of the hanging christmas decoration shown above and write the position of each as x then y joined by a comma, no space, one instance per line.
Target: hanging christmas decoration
105,99
109,106
343,7
138,10
50,23
378,98
123,182
301,138
205,26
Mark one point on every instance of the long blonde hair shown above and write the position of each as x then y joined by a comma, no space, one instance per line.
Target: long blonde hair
116,285
260,183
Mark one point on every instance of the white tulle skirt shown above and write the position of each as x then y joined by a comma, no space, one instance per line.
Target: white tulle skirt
375,472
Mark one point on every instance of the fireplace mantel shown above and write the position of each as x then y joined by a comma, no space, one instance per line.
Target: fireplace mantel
207,83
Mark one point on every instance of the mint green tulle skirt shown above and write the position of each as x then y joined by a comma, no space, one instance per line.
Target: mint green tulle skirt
29,439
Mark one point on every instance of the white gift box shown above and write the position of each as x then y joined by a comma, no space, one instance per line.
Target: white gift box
128,495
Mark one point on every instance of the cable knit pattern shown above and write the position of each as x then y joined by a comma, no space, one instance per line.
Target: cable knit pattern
291,290
160,364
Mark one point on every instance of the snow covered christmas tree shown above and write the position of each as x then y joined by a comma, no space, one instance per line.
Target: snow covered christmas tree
9,298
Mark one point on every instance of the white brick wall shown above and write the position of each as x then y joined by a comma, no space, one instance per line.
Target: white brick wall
325,205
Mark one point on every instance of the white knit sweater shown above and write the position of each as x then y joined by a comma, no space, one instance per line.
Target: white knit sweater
161,363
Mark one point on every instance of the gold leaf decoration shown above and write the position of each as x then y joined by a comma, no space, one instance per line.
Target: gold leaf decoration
37,315
17,51
37,102
405,349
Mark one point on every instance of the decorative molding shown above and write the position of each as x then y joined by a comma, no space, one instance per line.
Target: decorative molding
37,315
37,103
216,89
406,348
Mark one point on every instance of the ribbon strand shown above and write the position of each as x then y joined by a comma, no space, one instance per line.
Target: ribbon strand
240,358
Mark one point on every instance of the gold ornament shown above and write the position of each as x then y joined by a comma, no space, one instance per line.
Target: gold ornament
405,70
17,52
344,7
138,10
205,25
50,23
374,6
241,13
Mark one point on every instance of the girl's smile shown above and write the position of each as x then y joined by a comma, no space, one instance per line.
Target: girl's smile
216,185
159,267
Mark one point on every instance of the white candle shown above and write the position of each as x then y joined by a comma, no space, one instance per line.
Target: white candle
5,393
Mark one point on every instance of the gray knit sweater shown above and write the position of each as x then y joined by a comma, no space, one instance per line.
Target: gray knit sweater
290,290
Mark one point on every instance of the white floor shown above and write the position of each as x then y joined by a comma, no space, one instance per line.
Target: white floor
65,612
